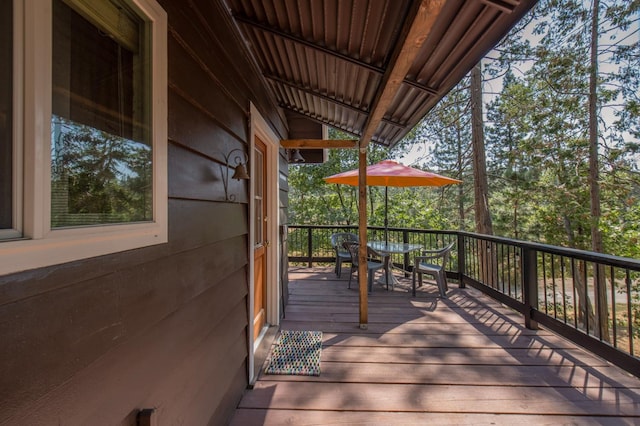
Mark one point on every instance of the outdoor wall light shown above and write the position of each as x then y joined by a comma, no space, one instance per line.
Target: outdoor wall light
295,156
236,159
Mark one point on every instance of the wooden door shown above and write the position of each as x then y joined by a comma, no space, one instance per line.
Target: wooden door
260,237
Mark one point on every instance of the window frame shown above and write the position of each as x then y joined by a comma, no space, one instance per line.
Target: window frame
40,245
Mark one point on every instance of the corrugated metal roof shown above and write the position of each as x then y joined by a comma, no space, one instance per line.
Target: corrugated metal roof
327,59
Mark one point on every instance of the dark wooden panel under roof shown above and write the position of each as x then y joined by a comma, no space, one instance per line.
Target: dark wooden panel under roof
330,59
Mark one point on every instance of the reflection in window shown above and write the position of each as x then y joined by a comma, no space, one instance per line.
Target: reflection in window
98,177
6,116
101,168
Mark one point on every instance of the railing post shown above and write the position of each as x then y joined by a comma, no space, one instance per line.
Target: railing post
461,261
530,286
310,246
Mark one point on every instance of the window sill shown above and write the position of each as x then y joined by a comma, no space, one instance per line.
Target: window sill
69,245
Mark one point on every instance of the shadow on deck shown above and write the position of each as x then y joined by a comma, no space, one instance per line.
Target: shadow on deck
426,360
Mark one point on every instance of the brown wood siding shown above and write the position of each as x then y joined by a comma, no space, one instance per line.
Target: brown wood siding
93,341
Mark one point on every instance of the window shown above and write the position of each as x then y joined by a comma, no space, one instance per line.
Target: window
100,147
93,180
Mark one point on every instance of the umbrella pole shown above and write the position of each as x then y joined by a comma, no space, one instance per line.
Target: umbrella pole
386,220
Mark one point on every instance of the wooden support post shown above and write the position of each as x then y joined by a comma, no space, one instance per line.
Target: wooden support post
362,235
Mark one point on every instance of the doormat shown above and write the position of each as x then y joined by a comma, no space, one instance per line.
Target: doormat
296,353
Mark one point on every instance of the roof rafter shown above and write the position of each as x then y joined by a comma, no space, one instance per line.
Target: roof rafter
414,33
327,122
504,6
319,143
316,93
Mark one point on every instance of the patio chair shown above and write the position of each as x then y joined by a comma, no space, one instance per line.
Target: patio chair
375,261
432,262
342,254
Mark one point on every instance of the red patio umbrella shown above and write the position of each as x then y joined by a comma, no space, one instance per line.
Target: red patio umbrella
390,173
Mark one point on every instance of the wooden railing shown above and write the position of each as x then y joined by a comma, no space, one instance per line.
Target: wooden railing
590,298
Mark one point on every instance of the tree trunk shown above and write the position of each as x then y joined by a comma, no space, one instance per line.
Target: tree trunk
594,177
515,217
481,187
486,258
461,215
343,206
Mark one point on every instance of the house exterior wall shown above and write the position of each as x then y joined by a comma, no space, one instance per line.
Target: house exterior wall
165,327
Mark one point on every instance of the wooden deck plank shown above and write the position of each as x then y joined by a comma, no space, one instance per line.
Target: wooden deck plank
469,375
463,356
380,397
443,340
423,360
378,317
406,309
254,417
415,327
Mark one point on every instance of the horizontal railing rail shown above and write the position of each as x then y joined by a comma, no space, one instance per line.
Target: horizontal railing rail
590,298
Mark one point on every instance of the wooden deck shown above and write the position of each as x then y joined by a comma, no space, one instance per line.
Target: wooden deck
424,360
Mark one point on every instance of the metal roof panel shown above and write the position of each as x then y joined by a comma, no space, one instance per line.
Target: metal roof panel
327,59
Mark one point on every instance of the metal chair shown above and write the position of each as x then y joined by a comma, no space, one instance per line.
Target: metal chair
432,262
342,254
372,263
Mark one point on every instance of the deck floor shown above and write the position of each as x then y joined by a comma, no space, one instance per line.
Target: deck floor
424,360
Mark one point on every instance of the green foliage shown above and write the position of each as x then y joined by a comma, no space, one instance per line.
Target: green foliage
537,134
313,201
447,132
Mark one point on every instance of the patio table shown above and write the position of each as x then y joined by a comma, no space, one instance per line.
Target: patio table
389,248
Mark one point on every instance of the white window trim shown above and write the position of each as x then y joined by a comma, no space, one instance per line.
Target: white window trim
41,246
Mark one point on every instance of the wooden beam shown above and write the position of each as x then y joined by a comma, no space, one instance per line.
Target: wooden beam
318,143
414,33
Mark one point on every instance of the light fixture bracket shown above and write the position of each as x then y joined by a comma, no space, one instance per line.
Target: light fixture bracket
236,159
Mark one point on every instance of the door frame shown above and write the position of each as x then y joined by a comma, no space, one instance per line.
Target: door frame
260,128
